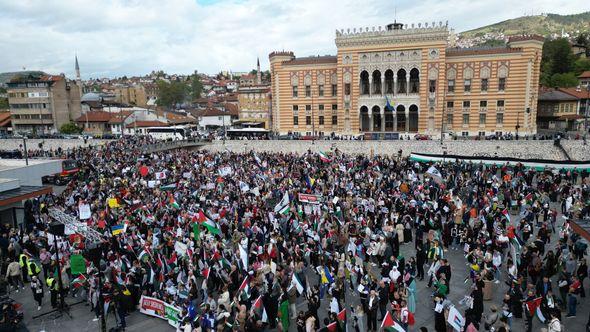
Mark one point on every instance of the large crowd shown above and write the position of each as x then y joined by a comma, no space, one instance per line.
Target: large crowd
308,242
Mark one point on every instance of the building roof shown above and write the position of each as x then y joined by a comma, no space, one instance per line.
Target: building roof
457,51
94,116
120,117
581,93
312,60
555,95
23,193
585,74
231,109
142,124
35,77
214,111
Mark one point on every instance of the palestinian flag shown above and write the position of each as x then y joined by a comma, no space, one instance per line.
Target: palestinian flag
144,255
79,281
389,324
212,227
529,198
332,327
506,215
533,304
173,202
324,157
172,259
259,310
284,206
245,287
341,317
297,283
168,187
205,272
196,231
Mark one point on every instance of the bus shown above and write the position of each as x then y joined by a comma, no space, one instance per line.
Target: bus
173,133
250,133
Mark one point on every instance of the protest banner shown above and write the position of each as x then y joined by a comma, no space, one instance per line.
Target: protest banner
310,199
158,308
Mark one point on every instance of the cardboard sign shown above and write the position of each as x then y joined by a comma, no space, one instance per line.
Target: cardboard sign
160,175
84,211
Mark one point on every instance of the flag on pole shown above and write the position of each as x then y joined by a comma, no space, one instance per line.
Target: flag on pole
327,276
284,314
283,207
173,202
117,229
196,231
205,272
506,215
435,174
297,283
389,324
79,281
212,227
143,255
245,287
324,157
259,310
341,317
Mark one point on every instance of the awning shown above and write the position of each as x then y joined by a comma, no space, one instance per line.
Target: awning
23,193
571,117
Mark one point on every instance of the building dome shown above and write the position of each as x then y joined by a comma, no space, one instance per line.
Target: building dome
91,96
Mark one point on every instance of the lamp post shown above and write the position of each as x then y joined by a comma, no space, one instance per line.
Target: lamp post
223,121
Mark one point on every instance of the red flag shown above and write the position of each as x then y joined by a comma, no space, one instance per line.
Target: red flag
332,327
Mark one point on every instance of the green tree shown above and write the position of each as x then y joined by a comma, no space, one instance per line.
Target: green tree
581,65
70,128
196,87
557,59
566,80
3,103
171,93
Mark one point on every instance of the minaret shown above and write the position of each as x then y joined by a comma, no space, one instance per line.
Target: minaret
78,79
258,73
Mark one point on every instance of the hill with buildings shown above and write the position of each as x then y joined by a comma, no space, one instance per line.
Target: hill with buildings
548,25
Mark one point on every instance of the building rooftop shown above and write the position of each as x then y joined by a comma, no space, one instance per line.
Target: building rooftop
555,95
580,93
143,124
585,74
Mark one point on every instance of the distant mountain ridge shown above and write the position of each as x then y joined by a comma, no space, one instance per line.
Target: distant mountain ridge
547,25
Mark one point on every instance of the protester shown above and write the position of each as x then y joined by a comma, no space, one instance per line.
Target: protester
230,238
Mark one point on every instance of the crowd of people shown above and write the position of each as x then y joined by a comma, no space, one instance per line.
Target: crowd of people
309,242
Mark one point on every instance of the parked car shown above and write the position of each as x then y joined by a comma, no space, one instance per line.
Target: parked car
421,137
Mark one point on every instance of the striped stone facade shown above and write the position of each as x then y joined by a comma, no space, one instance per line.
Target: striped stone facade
404,79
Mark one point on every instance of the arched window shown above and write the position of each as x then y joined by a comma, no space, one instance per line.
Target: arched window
389,81
377,82
364,82
401,81
414,80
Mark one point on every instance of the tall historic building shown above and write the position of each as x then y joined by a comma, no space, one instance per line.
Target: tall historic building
405,79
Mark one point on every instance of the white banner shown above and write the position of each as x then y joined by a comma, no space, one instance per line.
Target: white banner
84,211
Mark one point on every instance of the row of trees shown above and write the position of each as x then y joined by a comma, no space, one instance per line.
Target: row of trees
177,92
559,66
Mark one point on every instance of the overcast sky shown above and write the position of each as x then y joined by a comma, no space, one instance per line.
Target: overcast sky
132,37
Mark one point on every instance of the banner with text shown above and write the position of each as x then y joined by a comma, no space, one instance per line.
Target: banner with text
158,308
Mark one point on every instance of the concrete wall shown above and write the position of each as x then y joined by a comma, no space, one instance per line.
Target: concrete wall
517,149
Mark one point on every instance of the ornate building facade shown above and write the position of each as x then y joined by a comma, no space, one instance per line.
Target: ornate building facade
405,79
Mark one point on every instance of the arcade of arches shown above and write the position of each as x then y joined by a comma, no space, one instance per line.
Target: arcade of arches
400,82
396,119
